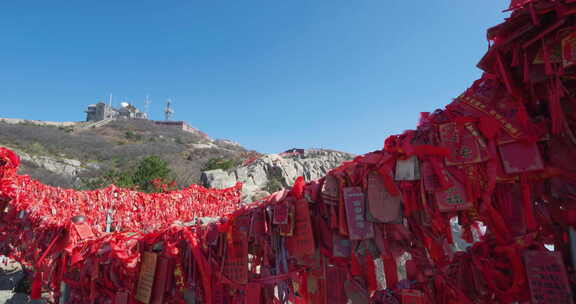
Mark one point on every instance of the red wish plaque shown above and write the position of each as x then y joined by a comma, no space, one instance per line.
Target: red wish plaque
453,198
236,262
547,278
84,231
518,157
358,227
302,242
465,144
569,50
331,190
382,207
280,213
341,246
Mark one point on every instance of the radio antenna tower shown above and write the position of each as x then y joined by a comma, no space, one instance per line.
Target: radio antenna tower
168,112
147,106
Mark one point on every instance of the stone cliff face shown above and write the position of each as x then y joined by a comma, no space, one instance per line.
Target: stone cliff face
274,171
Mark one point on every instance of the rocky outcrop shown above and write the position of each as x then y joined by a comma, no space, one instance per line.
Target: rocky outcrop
59,165
271,172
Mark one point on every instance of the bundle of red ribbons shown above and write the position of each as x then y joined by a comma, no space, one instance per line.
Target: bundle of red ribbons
477,205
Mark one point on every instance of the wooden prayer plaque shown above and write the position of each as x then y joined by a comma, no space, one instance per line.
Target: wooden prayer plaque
146,278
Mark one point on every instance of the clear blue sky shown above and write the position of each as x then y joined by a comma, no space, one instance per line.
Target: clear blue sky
270,74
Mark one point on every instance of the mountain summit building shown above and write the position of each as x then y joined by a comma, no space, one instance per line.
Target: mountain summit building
102,111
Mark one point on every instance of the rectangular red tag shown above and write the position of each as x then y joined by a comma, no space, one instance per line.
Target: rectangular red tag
84,231
465,144
236,263
358,227
280,213
331,190
302,242
547,277
519,157
382,207
341,246
453,198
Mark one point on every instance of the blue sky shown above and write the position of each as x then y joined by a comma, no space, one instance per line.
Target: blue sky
270,74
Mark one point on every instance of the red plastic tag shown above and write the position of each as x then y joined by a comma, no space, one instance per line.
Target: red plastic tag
453,198
518,157
465,144
236,263
358,227
341,246
302,242
280,213
331,190
382,207
84,231
547,277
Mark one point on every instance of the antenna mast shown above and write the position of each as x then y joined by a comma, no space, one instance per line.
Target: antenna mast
146,106
168,112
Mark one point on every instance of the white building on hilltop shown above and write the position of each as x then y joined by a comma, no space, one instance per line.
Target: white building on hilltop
102,111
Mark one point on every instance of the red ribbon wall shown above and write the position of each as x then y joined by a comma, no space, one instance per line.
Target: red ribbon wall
477,205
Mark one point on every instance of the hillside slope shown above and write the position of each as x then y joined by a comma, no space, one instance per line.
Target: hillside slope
71,156
67,156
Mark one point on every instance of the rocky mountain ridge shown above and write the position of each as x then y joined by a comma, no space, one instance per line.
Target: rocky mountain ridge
65,156
271,172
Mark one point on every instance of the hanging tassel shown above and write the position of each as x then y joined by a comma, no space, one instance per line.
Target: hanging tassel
355,269
531,223
526,68
535,19
555,107
371,279
390,272
36,289
547,64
